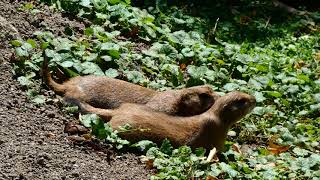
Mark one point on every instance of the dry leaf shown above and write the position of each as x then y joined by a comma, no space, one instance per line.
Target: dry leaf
211,178
236,148
212,153
317,56
277,149
50,135
87,136
263,166
299,64
183,66
245,19
147,161
149,164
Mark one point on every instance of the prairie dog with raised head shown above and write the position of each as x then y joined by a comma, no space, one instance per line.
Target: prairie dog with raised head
109,93
207,130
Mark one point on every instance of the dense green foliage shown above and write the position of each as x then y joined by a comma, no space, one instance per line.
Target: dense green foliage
253,48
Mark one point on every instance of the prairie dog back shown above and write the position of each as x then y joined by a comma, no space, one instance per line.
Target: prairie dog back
109,93
98,91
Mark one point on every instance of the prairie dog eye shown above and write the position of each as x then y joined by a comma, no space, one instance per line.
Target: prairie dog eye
241,103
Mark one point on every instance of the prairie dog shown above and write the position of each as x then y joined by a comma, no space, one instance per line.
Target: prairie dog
184,102
109,93
207,130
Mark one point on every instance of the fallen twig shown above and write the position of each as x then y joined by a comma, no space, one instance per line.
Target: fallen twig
211,154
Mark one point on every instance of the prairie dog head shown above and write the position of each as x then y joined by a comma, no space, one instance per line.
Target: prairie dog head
184,102
196,100
233,106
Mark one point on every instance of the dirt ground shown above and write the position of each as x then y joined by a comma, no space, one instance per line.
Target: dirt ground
33,144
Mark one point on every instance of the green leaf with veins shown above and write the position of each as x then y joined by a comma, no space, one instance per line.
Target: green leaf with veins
144,145
111,73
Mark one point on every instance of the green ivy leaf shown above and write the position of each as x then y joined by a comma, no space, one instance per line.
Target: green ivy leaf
88,119
39,99
16,43
231,87
66,64
88,31
144,145
112,73
24,81
274,94
187,52
300,152
200,151
259,96
91,68
228,169
135,76
197,72
85,3
21,52
32,43
166,147
317,97
91,57
99,129
106,58
110,46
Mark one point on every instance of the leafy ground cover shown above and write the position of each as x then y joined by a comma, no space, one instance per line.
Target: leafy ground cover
253,48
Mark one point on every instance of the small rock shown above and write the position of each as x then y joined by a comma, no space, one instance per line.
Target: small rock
41,161
42,109
51,115
21,177
40,142
76,138
73,128
50,135
75,174
232,133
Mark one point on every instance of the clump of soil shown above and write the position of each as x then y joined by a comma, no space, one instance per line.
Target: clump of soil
32,142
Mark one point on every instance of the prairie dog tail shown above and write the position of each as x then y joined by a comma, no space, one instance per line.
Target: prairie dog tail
58,88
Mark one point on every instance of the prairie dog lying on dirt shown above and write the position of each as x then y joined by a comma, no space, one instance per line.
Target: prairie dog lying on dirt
109,93
207,130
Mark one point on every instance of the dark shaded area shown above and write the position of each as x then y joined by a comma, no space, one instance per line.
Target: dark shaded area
244,20
309,5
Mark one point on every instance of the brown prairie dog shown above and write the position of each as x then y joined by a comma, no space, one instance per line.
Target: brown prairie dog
109,93
184,102
207,130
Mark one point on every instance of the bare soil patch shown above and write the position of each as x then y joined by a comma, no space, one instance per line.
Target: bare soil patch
32,142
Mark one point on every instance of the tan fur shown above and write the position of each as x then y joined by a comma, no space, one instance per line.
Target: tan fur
184,102
109,93
207,130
